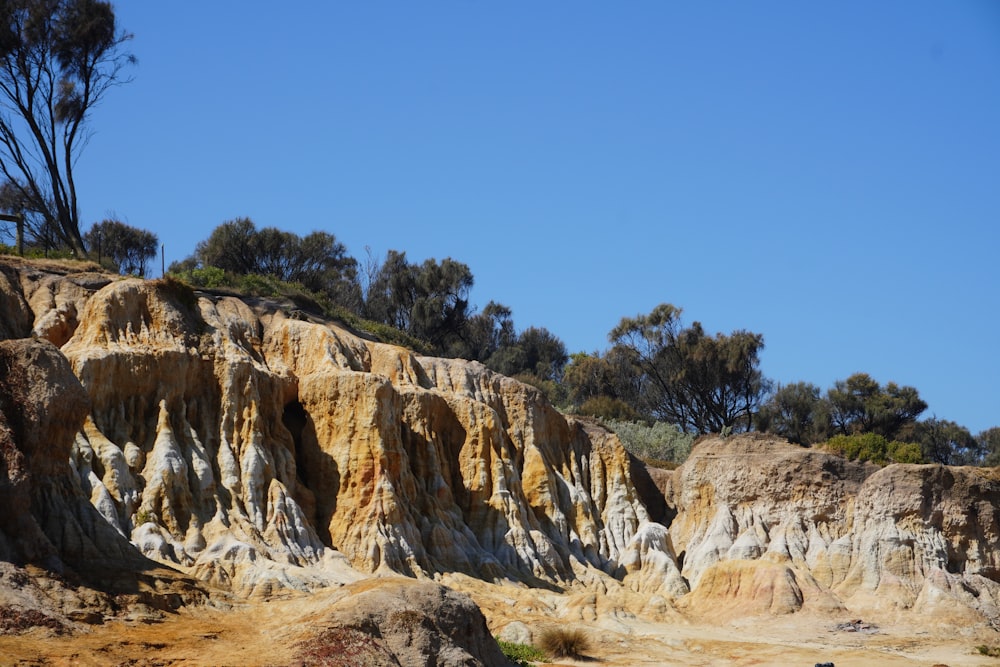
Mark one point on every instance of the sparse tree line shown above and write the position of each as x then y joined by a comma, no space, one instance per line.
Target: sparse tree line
659,381
658,384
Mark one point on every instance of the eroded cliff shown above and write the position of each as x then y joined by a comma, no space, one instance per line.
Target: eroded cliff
764,526
259,449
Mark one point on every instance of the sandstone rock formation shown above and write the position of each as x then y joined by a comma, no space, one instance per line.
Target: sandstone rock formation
261,450
47,522
397,623
764,526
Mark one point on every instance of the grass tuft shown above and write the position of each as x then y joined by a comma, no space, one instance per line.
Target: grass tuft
564,642
991,651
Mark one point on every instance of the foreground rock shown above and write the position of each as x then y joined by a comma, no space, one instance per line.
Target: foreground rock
393,623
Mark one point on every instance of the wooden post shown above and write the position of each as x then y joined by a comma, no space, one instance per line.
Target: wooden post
17,218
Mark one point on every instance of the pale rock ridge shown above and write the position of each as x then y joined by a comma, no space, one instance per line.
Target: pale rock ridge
419,464
186,431
770,527
926,537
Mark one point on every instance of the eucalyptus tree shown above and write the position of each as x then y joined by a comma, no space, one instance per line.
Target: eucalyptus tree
128,248
58,60
701,383
797,412
860,404
429,301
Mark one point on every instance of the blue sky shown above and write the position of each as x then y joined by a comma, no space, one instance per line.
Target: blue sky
825,174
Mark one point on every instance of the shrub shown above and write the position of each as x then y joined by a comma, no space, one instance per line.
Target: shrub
209,276
564,642
554,392
659,442
873,447
180,291
521,655
605,407
991,651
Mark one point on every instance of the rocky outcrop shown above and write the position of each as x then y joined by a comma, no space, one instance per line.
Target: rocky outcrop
391,623
261,452
764,526
259,449
86,569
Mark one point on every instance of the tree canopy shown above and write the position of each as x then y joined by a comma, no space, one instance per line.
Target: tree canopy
318,260
656,371
58,59
429,301
860,405
699,382
797,412
128,248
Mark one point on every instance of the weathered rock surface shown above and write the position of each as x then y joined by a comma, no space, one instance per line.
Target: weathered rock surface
260,453
46,522
766,526
395,623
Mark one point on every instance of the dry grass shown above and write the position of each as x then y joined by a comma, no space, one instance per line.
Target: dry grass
62,266
564,642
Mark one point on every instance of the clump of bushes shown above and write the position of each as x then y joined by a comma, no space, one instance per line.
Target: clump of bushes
875,448
251,284
564,642
660,444
522,655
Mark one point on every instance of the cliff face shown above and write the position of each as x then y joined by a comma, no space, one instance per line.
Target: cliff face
258,449
764,526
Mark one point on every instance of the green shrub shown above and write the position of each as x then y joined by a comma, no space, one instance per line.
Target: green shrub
991,651
659,442
605,407
209,276
521,655
905,452
563,642
873,447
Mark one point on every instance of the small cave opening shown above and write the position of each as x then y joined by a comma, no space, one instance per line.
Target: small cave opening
650,492
295,419
316,470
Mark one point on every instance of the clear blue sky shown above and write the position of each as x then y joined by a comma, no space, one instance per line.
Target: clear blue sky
826,174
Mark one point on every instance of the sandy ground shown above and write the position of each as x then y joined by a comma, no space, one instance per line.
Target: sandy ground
266,633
